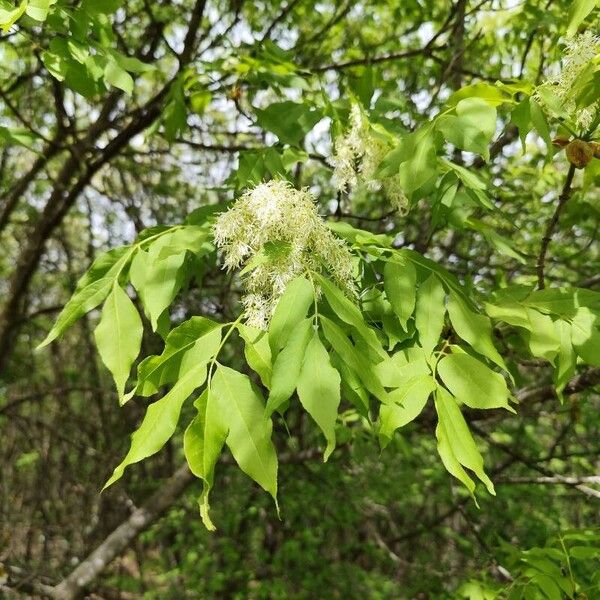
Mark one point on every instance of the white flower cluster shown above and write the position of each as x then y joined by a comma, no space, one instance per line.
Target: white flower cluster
579,51
276,231
357,157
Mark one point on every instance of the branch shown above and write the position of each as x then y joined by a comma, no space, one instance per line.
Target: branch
425,51
123,535
552,223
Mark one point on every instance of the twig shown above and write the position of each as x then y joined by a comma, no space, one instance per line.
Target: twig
552,223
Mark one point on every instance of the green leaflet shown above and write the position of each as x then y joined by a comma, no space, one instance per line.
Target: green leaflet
319,390
349,313
405,405
162,416
92,289
586,336
395,370
157,281
287,366
257,352
400,284
38,9
119,336
249,433
430,311
118,77
565,368
289,121
186,341
472,382
472,127
290,310
202,444
579,10
456,445
474,328
349,354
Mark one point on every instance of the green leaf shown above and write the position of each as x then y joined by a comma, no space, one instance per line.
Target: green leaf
287,366
420,165
257,352
202,444
400,284
586,336
472,382
405,404
119,336
118,77
395,370
540,123
579,10
473,328
91,290
289,121
319,390
38,9
161,418
565,369
156,280
430,311
348,312
184,346
290,310
543,341
350,355
8,17
456,445
473,126
249,433
521,117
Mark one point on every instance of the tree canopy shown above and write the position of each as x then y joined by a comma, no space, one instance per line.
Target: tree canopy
334,266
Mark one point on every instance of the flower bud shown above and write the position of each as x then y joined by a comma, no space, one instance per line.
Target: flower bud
579,153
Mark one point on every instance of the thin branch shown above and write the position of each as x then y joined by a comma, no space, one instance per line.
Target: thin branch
551,226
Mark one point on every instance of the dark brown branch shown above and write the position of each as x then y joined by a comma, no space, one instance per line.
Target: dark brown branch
425,51
551,226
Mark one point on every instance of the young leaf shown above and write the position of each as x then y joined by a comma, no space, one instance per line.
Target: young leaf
474,328
472,382
249,433
455,442
91,290
257,352
202,444
119,336
405,405
290,310
586,336
565,369
430,311
287,366
395,370
162,416
157,281
400,284
319,390
187,341
349,354
349,313
579,10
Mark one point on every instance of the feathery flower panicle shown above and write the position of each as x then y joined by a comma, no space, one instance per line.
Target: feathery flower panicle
579,51
357,157
281,226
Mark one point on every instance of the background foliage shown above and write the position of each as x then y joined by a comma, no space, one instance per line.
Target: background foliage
131,124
